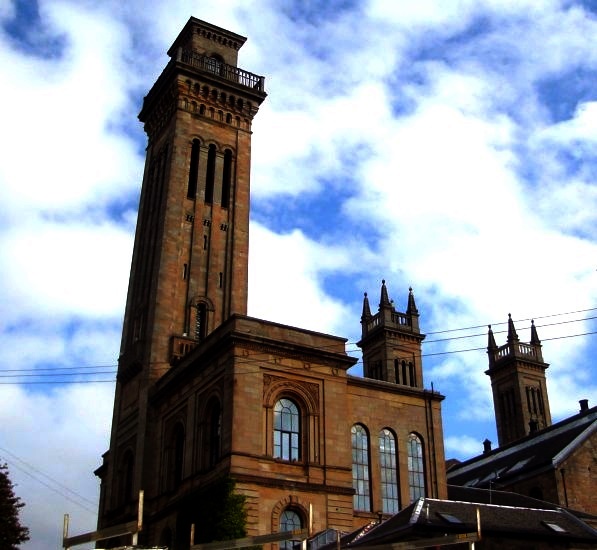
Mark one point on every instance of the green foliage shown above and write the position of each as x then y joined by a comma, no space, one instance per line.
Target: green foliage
221,513
12,533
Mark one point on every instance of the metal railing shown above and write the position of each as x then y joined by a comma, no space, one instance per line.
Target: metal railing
223,70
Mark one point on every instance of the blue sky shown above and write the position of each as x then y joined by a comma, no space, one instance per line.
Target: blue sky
447,146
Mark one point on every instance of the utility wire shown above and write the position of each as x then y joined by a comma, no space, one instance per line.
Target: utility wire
54,372
59,488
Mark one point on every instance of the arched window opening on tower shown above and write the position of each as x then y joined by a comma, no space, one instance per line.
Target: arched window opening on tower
214,64
389,479
360,469
193,169
416,469
210,174
289,521
200,321
226,178
287,430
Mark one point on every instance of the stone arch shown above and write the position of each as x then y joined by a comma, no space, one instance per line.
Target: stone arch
306,394
293,502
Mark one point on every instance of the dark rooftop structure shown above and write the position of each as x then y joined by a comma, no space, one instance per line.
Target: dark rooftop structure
532,455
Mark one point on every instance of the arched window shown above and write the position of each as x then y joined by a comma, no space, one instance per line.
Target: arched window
210,173
289,521
214,64
360,468
389,479
200,321
416,470
192,186
287,430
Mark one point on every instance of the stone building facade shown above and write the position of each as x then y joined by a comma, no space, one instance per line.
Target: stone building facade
205,392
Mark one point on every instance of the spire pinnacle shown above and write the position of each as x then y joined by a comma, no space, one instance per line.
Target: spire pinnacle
491,345
411,308
384,300
366,309
534,336
512,336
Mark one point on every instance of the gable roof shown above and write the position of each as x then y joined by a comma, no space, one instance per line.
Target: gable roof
427,518
535,453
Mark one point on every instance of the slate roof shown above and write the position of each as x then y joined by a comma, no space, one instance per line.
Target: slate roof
427,518
530,455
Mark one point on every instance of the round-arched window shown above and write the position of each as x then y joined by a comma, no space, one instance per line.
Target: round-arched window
287,430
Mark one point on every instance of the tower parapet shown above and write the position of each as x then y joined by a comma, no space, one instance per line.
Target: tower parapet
388,316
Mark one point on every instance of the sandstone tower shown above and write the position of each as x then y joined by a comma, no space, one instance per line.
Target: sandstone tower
517,373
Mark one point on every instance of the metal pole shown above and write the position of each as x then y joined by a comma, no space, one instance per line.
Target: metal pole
65,529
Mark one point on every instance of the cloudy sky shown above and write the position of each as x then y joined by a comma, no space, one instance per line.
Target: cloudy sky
446,145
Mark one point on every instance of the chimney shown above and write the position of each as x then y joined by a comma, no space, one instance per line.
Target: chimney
584,405
486,446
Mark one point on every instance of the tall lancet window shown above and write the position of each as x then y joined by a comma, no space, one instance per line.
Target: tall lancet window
210,173
227,178
193,168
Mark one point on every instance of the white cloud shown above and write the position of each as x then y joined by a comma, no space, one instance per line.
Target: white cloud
52,442
462,447
285,273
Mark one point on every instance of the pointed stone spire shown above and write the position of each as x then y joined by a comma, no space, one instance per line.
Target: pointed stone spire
512,336
411,309
491,348
366,309
384,300
491,345
534,336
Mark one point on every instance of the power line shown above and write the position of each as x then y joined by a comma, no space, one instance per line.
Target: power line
61,489
78,371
